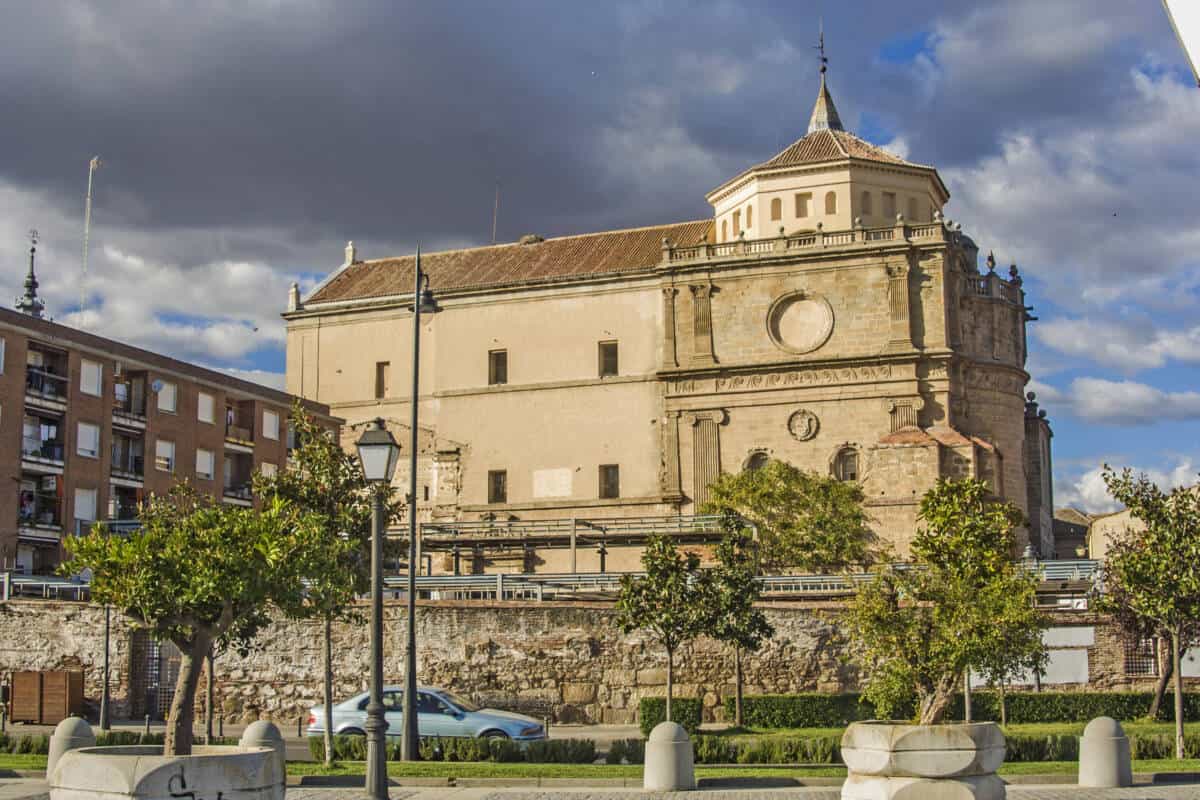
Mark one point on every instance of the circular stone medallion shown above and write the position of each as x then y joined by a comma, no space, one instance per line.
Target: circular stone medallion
803,425
800,323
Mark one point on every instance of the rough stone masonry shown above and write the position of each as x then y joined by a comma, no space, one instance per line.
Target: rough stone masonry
564,661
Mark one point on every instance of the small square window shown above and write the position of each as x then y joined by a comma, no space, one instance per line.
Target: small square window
497,486
803,204
164,455
167,397
497,367
205,462
382,379
205,407
268,469
85,504
271,425
89,378
88,441
608,359
610,481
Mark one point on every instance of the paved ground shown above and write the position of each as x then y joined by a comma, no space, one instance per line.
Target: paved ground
23,789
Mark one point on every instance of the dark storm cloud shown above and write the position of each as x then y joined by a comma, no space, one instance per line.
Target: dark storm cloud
389,121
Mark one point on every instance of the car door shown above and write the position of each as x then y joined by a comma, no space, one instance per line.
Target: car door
436,718
393,712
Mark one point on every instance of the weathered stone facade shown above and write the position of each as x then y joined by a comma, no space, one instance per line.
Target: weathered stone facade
563,661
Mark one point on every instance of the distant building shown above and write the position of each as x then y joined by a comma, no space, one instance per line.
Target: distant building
1071,533
826,314
89,427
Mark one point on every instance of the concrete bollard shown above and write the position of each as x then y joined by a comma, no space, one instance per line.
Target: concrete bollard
70,734
669,766
1104,755
265,734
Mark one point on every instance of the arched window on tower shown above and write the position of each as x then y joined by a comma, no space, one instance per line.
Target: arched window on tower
865,205
737,224
845,464
831,202
749,216
776,210
757,460
724,230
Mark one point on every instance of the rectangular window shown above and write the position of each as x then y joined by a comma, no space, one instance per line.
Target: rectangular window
85,504
889,205
608,359
382,377
497,367
268,469
497,486
205,407
88,442
271,425
803,203
164,455
1141,657
737,224
205,462
610,481
166,397
89,378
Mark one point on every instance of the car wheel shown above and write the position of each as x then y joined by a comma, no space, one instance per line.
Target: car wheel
493,734
352,732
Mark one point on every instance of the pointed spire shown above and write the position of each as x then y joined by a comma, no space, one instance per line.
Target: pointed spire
30,303
824,113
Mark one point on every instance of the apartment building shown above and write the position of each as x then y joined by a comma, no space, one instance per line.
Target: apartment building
89,427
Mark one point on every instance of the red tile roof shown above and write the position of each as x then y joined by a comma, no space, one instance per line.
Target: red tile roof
510,264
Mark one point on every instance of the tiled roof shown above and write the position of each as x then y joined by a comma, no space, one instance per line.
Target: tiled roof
831,145
508,264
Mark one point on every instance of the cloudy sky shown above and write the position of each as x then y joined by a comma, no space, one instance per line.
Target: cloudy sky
245,142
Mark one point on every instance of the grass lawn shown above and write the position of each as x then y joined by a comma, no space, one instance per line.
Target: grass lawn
1025,729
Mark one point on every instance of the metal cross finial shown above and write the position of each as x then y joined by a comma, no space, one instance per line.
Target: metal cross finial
33,237
821,46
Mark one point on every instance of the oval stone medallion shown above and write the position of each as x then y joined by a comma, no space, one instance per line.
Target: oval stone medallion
800,323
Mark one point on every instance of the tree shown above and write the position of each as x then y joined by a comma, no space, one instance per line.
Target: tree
958,604
733,618
671,601
805,520
1153,575
327,482
198,573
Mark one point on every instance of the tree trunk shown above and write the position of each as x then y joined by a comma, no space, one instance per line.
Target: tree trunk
208,697
1177,667
1166,668
670,680
1003,708
933,705
327,692
967,695
178,741
737,685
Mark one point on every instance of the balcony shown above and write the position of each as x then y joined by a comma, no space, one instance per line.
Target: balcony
39,515
129,401
39,452
128,461
239,494
46,371
239,426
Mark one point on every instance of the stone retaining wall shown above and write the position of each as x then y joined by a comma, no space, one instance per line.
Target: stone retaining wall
565,661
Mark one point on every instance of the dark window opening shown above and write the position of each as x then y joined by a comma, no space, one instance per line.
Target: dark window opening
608,359
497,486
845,464
610,481
382,368
497,367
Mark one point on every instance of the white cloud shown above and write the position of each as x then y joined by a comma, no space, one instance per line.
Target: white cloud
1087,491
1105,402
273,380
1125,345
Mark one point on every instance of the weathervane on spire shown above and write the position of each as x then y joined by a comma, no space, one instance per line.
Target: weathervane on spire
824,113
821,46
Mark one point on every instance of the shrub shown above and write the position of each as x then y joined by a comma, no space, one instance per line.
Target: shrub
687,711
561,751
632,751
773,750
810,710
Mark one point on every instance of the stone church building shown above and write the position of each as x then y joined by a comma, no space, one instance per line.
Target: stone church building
826,314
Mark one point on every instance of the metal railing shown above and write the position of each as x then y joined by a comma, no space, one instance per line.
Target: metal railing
578,527
239,433
45,383
39,510
46,449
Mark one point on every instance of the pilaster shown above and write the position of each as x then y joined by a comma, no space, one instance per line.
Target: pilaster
702,333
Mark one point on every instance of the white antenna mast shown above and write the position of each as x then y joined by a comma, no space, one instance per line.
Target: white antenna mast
93,165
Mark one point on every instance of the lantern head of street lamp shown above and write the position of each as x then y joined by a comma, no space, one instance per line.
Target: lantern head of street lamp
428,303
378,453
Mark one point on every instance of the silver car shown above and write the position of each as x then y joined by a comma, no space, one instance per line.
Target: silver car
439,713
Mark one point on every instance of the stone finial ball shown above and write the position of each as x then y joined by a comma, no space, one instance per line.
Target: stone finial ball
74,728
261,734
668,732
1103,728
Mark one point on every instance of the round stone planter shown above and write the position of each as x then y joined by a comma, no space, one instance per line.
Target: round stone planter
142,771
899,761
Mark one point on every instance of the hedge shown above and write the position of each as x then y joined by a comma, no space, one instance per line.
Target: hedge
456,749
626,751
837,710
687,711
39,744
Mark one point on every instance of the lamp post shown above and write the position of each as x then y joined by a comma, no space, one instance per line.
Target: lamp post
378,453
422,301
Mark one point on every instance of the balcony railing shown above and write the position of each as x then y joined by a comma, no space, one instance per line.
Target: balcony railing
40,510
44,449
240,491
238,433
129,465
125,407
45,383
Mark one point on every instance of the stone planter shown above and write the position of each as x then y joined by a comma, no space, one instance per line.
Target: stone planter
252,770
898,761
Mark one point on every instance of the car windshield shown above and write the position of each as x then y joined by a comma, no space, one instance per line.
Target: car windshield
460,701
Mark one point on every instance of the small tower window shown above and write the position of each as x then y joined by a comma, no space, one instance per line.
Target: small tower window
749,216
865,206
912,209
804,201
776,210
831,202
845,464
737,223
889,205
724,230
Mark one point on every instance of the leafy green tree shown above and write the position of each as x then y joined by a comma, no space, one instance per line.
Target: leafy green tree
326,482
919,627
1014,651
1153,575
733,617
671,601
805,520
196,574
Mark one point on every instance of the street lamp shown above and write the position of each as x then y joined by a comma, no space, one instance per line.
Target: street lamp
378,453
422,301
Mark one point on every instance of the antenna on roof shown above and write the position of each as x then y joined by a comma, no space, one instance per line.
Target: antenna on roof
820,48
93,165
495,211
